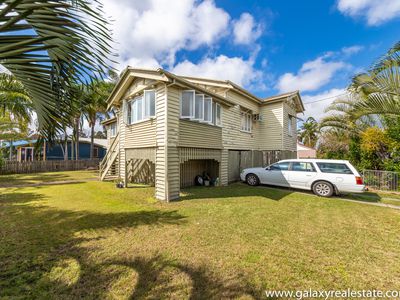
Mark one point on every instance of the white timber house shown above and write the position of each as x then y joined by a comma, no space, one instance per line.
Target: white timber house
170,128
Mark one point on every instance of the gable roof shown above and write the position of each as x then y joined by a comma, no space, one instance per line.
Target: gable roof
281,97
129,73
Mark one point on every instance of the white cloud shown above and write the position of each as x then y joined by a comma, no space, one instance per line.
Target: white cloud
245,30
151,32
375,12
312,75
316,109
351,50
236,69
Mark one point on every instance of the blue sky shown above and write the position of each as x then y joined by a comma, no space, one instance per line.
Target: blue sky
267,46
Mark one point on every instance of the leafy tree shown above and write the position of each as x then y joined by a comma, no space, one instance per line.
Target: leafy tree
308,133
51,46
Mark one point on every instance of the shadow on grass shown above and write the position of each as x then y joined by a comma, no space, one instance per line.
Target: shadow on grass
237,189
36,238
368,197
35,178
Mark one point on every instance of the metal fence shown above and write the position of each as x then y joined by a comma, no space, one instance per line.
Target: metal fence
16,167
381,180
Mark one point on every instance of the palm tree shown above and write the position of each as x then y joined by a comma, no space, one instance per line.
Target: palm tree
377,91
96,106
308,133
51,46
14,98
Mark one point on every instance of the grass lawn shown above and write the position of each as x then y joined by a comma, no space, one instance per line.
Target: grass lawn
91,240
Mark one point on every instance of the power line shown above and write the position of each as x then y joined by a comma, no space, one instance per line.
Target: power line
323,99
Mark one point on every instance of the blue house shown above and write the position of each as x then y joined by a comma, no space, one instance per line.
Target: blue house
24,150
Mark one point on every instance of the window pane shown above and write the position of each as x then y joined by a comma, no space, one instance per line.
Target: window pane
284,166
302,167
214,113
149,103
133,111
243,121
199,107
187,104
336,168
218,120
207,109
139,109
129,112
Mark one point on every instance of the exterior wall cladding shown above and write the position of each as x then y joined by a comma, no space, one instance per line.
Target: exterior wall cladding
169,141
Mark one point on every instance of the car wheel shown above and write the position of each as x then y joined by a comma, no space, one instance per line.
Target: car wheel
252,179
323,189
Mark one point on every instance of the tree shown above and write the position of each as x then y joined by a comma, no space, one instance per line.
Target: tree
12,128
308,133
377,91
50,46
95,98
14,98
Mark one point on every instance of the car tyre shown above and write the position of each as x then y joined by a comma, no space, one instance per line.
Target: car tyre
252,179
323,189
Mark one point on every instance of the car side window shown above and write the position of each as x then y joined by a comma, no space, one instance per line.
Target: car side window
302,167
335,168
283,166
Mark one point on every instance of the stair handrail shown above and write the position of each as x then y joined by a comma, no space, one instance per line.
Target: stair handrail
109,152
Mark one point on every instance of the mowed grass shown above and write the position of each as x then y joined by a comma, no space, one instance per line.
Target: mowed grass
90,240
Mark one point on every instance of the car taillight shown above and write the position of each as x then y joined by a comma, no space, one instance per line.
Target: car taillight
359,180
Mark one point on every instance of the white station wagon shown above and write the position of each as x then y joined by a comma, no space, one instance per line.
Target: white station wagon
324,177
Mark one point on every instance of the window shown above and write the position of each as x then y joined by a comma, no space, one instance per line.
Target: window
302,167
336,168
246,122
142,107
95,152
290,125
207,110
187,104
199,107
149,104
283,166
113,129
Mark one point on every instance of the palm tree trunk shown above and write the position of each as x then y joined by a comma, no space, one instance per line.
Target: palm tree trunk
77,138
92,140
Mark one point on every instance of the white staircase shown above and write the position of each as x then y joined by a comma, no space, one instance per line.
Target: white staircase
109,165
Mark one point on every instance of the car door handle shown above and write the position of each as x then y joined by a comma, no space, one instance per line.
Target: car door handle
308,175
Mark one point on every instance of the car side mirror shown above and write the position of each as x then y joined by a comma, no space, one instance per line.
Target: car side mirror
268,168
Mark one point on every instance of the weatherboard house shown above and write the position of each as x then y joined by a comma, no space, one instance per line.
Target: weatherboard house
170,128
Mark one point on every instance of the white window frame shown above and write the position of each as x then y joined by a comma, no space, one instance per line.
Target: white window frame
248,122
191,113
210,112
201,97
290,125
147,105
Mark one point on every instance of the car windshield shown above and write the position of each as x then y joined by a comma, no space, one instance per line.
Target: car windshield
336,168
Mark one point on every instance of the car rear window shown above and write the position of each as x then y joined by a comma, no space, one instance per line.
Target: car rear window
336,168
302,167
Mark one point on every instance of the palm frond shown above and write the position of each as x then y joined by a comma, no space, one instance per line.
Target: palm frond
50,46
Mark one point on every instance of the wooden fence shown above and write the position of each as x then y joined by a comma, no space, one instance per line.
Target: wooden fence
15,167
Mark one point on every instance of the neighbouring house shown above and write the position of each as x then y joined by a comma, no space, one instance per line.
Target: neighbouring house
170,128
24,150
305,152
